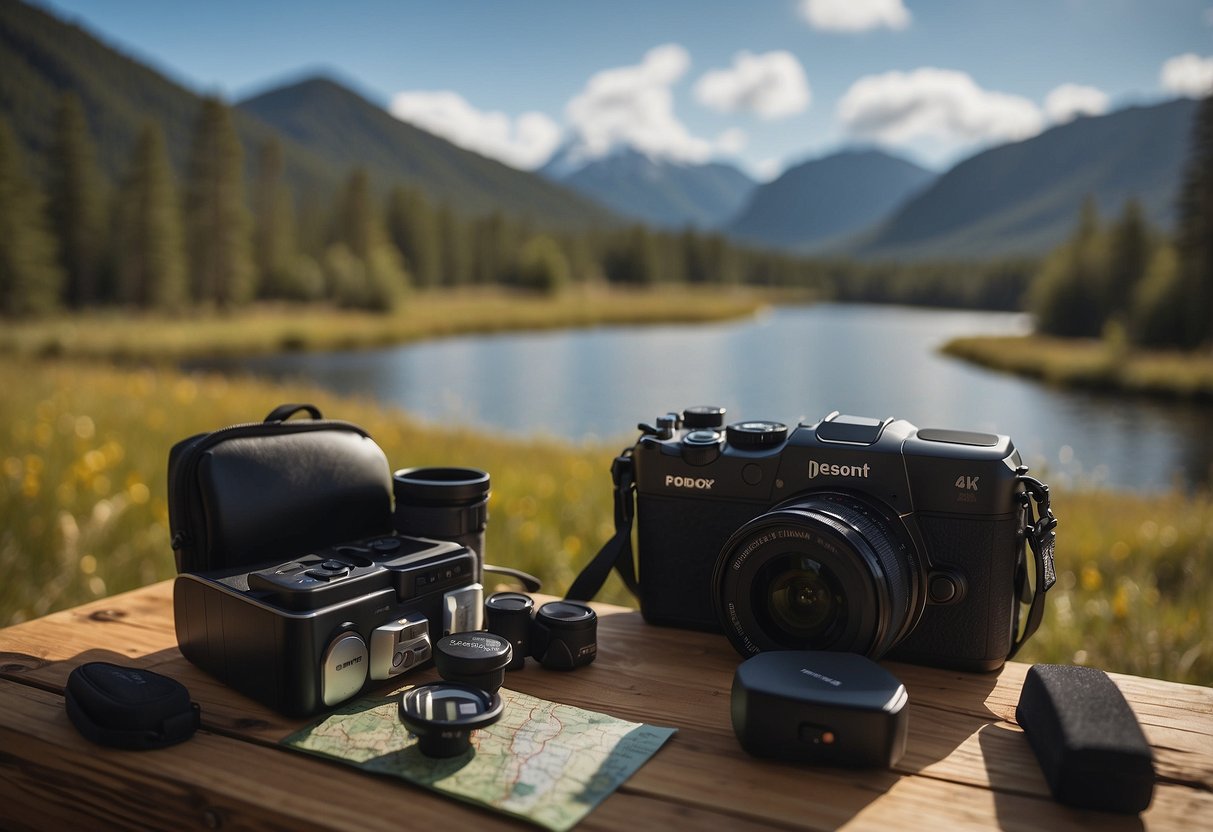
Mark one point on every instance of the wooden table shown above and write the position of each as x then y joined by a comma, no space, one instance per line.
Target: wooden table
967,764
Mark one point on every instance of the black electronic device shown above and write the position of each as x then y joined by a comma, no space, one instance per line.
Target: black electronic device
443,715
1089,744
851,533
307,634
819,707
129,707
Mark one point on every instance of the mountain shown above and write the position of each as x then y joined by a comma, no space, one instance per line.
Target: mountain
1024,198
658,192
324,128
41,57
822,201
347,130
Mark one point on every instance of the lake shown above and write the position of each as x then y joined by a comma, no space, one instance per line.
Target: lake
788,363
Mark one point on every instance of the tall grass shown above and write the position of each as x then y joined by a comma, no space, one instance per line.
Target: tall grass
123,335
83,510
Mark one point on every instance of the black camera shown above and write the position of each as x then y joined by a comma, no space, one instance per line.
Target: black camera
865,535
307,634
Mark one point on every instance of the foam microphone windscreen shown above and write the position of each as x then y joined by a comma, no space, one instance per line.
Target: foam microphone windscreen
1090,747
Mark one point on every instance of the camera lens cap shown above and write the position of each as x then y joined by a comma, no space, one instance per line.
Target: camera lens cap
443,715
477,659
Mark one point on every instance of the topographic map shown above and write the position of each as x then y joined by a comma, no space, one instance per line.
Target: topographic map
547,763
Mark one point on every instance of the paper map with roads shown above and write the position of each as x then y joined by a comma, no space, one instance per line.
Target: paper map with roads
544,762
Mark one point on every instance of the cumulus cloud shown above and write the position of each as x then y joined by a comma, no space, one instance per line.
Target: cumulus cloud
524,142
1069,101
634,106
731,141
771,85
942,110
1188,74
855,15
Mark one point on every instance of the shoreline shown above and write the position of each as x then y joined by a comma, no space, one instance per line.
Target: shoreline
1093,365
125,336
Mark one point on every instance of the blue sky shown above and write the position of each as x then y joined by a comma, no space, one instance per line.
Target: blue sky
759,84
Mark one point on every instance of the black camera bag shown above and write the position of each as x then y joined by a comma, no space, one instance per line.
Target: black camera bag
269,490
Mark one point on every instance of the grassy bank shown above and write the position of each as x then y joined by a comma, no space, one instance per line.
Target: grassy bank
123,336
83,510
1093,364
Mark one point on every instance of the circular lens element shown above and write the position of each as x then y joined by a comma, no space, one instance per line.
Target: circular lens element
803,599
823,572
443,716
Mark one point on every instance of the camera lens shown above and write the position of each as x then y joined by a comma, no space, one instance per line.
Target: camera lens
444,714
443,504
823,572
804,598
565,635
508,614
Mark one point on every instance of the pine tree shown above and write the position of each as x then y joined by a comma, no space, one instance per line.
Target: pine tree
542,266
30,276
413,228
217,222
149,255
357,226
453,239
1128,258
273,225
75,203
1067,295
1194,239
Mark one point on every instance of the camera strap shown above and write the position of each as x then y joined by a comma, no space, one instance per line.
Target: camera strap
1039,531
616,553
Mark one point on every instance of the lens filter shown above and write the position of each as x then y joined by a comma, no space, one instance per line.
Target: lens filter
443,715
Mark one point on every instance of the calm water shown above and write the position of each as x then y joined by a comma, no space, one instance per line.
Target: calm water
787,364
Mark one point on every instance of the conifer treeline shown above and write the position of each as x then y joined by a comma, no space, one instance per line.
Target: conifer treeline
1128,282
153,241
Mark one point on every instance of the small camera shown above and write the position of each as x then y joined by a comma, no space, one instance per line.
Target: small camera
307,634
855,534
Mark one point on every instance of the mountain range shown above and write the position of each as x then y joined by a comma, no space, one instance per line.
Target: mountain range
823,202
663,193
325,129
1016,199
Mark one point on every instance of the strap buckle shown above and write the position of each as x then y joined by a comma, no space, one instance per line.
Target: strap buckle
1039,532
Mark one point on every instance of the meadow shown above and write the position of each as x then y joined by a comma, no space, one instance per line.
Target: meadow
83,509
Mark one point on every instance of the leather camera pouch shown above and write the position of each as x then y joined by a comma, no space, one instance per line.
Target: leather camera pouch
274,490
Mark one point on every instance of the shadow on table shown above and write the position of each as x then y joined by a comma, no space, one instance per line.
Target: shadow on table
1015,774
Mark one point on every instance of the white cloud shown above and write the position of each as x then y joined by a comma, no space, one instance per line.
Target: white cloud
731,141
633,106
855,15
772,85
525,142
1188,74
937,111
1067,102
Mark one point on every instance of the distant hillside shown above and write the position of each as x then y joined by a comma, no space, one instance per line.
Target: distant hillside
1023,198
41,57
826,200
661,193
324,129
346,129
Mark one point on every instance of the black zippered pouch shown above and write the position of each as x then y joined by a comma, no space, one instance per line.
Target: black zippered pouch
274,490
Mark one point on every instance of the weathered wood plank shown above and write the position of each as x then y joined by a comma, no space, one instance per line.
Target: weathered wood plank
967,763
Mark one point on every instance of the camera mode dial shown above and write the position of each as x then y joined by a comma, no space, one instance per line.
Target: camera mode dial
700,447
703,416
756,435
